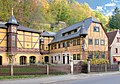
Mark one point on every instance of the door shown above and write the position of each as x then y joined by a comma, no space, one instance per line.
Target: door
0,60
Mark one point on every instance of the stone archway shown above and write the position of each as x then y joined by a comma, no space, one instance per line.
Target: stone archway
23,60
32,59
0,60
46,59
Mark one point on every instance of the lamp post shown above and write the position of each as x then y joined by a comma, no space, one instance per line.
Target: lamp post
88,63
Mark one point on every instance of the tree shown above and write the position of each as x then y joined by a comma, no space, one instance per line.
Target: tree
114,22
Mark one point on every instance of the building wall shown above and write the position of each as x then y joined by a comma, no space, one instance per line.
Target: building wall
27,45
77,50
44,49
101,35
113,47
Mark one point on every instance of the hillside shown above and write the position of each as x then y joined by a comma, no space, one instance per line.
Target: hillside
48,14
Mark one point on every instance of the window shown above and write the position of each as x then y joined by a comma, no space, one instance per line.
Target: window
74,56
96,41
52,47
63,44
55,46
96,29
96,54
58,45
91,55
118,39
102,42
13,41
59,57
55,58
78,56
116,50
103,54
74,42
75,30
68,43
78,41
90,41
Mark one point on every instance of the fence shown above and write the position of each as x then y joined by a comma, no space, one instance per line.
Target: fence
35,70
103,68
54,69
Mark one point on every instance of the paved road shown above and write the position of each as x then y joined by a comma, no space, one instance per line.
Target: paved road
98,78
109,79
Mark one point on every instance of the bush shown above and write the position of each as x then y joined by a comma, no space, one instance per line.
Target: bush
97,61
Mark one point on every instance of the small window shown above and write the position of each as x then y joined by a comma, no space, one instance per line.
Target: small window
74,42
78,56
59,57
78,41
96,29
55,46
13,41
118,39
74,56
102,42
58,45
116,50
75,30
68,43
90,41
96,41
91,55
52,47
63,44
55,58
42,46
103,54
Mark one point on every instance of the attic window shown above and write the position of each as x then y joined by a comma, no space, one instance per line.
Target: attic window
96,29
118,39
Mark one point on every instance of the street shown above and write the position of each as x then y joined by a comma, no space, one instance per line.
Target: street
100,78
109,79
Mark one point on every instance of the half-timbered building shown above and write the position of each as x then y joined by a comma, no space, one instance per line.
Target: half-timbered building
68,43
18,43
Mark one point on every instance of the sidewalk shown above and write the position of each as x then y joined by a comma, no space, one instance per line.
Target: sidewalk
51,79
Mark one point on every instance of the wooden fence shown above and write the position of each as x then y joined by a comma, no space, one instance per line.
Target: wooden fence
103,68
54,69
35,70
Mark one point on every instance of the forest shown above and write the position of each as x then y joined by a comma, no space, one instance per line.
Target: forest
52,15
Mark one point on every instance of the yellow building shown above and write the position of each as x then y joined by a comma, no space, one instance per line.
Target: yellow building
45,39
69,44
24,45
18,44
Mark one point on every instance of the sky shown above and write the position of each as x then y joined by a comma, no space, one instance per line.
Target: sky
105,6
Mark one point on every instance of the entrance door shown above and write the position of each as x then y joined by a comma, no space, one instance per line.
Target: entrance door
67,59
0,60
46,59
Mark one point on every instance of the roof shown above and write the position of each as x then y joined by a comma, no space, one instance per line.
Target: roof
86,22
111,36
12,20
51,34
22,28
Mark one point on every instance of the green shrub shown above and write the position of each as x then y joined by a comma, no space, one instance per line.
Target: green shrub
97,61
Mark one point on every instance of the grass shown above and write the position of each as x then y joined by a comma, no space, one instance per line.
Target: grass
26,76
21,77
